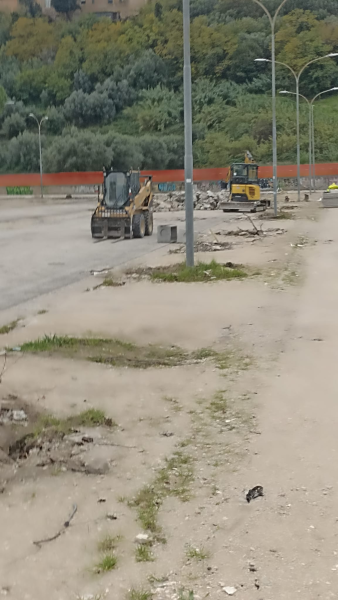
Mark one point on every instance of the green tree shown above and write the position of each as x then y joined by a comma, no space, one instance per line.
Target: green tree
126,150
30,37
3,98
13,125
66,7
89,109
23,153
32,8
77,151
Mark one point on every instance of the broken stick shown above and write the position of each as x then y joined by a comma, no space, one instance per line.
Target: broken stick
62,530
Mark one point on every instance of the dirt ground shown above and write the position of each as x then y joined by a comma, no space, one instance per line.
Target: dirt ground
103,453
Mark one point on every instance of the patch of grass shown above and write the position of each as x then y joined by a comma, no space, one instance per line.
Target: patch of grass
173,479
218,405
202,272
108,543
42,312
139,594
284,215
91,418
196,553
9,327
107,563
119,353
183,595
109,282
143,554
291,277
88,418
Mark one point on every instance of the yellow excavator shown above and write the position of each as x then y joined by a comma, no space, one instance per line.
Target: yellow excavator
244,190
125,209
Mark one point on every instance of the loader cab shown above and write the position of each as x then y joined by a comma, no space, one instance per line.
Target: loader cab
120,188
243,174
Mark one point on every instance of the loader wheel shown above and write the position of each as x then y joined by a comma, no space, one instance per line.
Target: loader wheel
139,225
149,220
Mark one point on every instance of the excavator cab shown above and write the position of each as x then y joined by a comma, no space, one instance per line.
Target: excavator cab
244,174
245,193
125,209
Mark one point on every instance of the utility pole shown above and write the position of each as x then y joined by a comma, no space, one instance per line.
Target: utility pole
188,162
40,147
297,77
273,20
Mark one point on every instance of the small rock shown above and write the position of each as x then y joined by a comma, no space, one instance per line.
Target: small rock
101,500
111,516
142,538
230,590
19,415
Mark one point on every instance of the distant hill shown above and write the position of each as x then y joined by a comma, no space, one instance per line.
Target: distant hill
113,91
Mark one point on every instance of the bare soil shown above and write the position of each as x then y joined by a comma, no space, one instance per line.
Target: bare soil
184,442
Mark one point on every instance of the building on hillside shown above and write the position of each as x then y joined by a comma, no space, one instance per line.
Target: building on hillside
9,5
114,9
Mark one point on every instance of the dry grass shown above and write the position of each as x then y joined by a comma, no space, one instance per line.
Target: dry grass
197,553
173,479
9,327
119,353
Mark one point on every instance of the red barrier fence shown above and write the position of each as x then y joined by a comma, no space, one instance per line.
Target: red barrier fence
96,177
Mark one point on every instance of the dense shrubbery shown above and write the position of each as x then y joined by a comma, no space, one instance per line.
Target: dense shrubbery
113,91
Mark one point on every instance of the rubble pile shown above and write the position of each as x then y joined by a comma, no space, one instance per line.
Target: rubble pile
205,246
174,201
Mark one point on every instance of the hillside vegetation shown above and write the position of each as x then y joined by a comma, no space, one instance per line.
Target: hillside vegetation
113,91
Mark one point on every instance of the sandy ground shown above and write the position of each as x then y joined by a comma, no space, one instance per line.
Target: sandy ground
270,419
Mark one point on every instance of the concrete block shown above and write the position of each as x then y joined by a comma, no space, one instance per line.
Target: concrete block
167,234
181,236
330,200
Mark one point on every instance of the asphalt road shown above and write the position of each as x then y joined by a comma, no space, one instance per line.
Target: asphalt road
44,247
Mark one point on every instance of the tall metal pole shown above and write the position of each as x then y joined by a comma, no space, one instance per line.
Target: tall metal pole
334,89
274,117
274,121
310,148
188,163
313,149
40,147
297,77
40,151
298,139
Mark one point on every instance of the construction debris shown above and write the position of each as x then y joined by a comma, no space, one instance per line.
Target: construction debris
204,246
174,201
8,415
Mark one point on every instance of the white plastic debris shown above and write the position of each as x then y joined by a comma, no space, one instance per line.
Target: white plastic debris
229,590
142,538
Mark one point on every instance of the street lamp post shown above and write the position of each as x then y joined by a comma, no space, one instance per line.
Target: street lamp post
188,162
297,77
40,147
334,89
310,134
311,130
273,20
